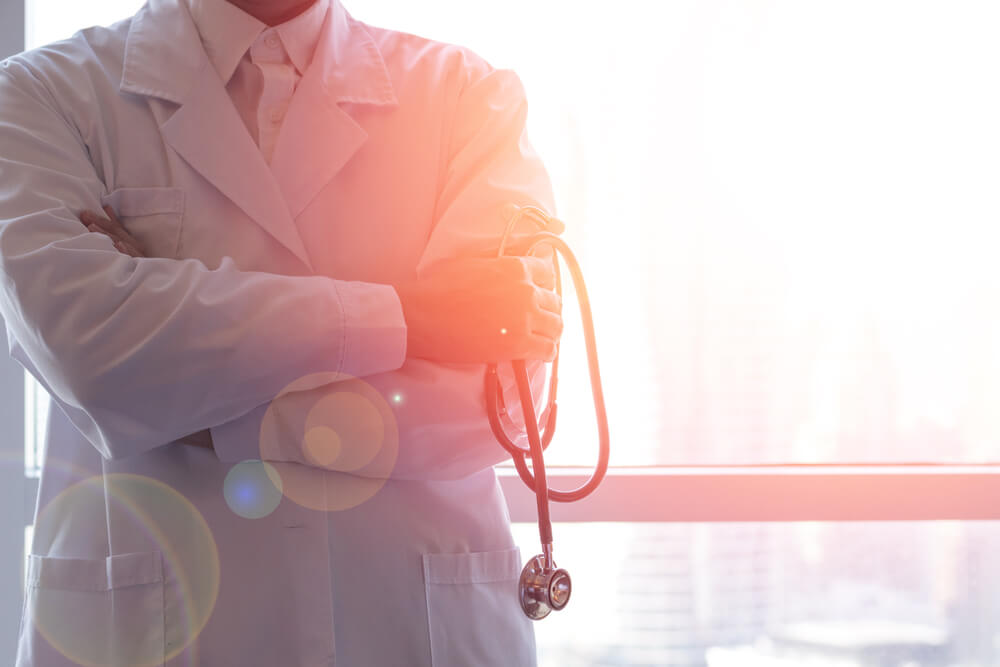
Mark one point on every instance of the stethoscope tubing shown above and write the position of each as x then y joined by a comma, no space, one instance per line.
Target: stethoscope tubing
538,439
540,480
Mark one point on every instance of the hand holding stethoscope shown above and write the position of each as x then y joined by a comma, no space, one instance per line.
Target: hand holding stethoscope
543,587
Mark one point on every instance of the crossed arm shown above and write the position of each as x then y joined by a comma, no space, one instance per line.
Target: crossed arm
100,326
466,311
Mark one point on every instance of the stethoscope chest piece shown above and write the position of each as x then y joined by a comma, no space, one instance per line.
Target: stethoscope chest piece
543,589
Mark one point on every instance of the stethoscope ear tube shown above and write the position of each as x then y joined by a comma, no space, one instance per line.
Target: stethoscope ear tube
496,413
543,587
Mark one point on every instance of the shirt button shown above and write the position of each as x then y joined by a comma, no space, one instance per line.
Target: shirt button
271,41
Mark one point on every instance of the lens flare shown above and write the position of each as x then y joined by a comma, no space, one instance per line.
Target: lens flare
322,446
252,489
341,430
141,607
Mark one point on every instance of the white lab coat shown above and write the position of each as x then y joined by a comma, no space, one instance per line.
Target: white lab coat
396,153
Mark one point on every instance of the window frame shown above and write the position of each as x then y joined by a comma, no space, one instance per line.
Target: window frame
15,495
771,493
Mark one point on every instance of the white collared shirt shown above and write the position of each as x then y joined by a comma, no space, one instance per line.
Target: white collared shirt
261,65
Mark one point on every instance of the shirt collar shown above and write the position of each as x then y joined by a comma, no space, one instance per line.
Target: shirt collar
227,32
165,57
301,34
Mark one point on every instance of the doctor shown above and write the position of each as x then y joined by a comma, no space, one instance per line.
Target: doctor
287,219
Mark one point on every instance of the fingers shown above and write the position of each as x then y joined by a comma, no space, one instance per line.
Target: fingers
548,300
119,245
540,271
546,324
110,225
541,348
113,229
126,249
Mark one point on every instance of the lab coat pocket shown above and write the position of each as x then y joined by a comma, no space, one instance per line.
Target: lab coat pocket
151,215
472,610
106,611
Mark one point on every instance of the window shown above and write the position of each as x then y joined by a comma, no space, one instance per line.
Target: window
784,215
783,212
775,595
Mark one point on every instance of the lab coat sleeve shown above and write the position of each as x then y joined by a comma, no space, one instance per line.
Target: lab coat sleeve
141,352
439,409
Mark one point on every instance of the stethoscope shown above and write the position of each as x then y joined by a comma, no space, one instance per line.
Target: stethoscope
543,587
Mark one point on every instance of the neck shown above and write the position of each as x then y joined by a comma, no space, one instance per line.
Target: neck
273,12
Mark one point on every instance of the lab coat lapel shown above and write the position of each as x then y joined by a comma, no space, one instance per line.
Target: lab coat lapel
317,139
206,129
209,133
317,136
